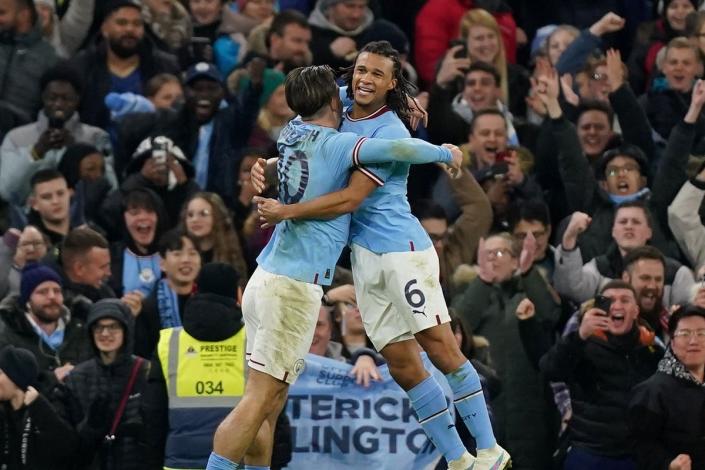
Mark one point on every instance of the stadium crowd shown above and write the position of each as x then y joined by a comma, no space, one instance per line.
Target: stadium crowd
571,247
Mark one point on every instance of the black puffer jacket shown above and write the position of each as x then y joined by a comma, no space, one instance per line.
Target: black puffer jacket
15,329
601,376
667,417
95,390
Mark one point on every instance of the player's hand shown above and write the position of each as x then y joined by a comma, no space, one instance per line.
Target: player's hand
270,211
593,321
257,178
682,462
418,113
456,164
525,309
365,371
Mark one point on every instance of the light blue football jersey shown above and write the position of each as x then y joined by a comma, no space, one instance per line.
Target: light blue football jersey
314,161
384,223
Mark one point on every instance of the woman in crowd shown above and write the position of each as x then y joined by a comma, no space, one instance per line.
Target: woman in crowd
208,221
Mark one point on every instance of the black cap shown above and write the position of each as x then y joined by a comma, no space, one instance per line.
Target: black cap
115,5
219,279
19,365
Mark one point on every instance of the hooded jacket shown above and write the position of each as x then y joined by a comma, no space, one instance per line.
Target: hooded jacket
95,392
15,329
323,33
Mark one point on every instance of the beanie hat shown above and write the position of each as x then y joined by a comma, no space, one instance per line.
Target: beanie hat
270,81
219,279
323,5
19,365
33,275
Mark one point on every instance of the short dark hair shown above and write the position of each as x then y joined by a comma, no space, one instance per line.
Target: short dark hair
62,72
139,198
79,242
684,311
155,83
594,105
428,209
531,210
283,19
42,176
487,68
308,89
643,252
637,204
486,112
174,240
618,284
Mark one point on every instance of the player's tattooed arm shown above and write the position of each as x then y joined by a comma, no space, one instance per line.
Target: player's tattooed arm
324,207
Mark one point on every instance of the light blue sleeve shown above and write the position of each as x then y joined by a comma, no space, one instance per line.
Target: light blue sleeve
343,90
413,151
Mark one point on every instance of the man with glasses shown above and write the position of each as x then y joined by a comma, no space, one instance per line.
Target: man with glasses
601,363
666,412
38,321
17,249
42,144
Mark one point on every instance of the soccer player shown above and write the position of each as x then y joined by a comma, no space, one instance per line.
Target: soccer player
282,299
396,269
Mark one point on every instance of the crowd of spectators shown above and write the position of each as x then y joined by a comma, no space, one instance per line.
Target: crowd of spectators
571,246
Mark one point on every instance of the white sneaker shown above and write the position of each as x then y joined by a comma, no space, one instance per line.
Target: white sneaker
465,462
495,458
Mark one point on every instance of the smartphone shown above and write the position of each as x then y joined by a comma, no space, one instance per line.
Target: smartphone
462,53
56,122
501,167
603,303
159,152
199,47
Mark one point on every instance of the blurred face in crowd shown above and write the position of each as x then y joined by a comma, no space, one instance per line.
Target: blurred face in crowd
488,136
199,218
91,269
680,67
540,231
259,10
292,46
321,335
676,13
60,99
46,302
687,346
46,17
623,176
437,230
557,43
497,191
499,255
32,244
92,167
203,97
623,311
124,31
182,266
373,77
167,94
598,88
630,228
13,17
141,223
350,319
646,276
348,14
248,161
108,335
594,132
480,90
277,104
51,200
205,11
483,44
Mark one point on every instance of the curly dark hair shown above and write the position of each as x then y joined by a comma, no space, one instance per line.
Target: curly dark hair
397,98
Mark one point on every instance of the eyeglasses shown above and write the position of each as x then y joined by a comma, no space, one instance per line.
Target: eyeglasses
698,334
110,329
201,213
498,253
613,171
32,243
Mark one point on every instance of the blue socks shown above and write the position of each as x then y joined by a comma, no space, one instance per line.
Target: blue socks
470,403
216,462
432,410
